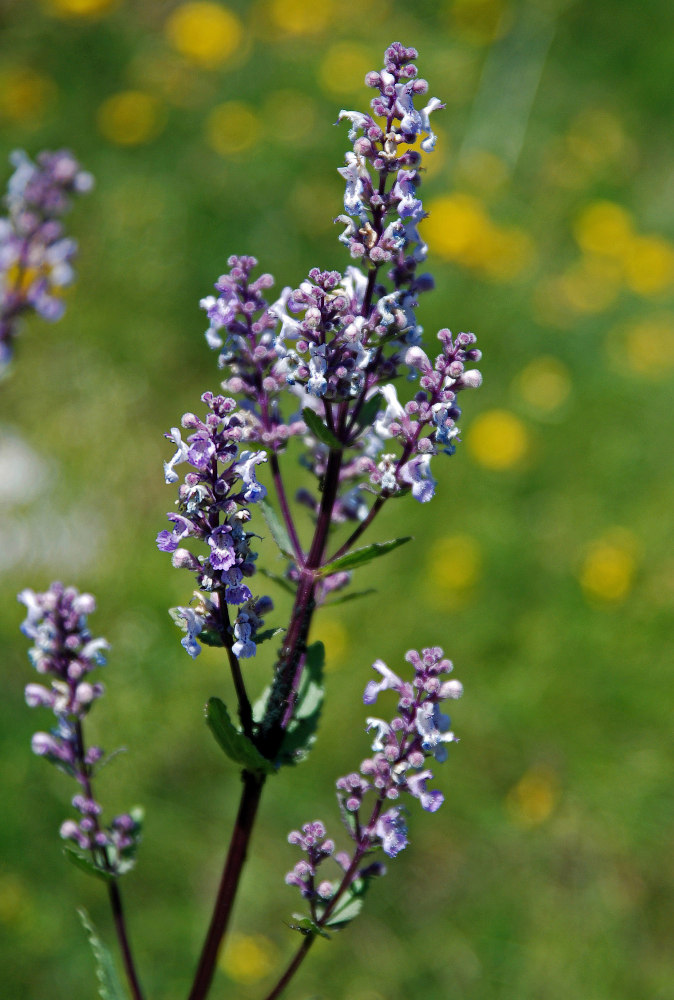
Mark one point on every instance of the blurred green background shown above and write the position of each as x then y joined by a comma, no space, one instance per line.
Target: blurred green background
544,566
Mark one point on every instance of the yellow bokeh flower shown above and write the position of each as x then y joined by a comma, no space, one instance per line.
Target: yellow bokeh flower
645,347
232,128
24,94
604,228
79,8
248,957
534,797
482,171
544,385
591,284
459,229
607,571
130,118
454,567
649,265
301,17
204,32
343,67
334,637
497,439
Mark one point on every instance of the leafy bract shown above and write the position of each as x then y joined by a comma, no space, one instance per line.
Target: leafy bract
109,986
358,557
278,529
300,735
318,428
235,744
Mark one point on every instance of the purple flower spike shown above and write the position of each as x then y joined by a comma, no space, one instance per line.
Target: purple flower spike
65,652
35,257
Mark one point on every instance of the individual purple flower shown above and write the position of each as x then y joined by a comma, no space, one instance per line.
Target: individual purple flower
65,654
35,255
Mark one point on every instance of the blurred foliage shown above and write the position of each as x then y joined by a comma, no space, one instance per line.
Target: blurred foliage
544,566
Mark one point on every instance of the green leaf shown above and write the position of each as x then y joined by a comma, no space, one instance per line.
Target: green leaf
358,557
318,428
350,597
86,864
109,986
278,529
306,926
235,744
369,411
268,633
280,580
210,637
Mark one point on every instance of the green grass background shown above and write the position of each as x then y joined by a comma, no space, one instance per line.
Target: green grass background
548,872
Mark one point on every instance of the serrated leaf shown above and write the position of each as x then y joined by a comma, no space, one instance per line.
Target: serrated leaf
358,557
109,986
280,580
350,597
278,529
235,744
86,865
319,430
369,411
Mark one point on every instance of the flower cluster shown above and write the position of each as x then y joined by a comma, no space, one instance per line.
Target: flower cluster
213,503
401,750
65,653
35,256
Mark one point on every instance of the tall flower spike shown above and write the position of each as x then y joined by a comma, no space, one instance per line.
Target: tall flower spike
35,255
65,654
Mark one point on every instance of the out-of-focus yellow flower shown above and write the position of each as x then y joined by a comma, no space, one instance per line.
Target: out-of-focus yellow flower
168,75
24,94
645,347
544,385
14,901
480,21
649,265
334,637
534,797
454,567
607,571
130,118
79,8
497,439
604,228
232,127
205,32
290,116
343,67
248,957
459,229
301,17
591,284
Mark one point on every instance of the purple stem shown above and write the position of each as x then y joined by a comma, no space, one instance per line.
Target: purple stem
285,509
236,857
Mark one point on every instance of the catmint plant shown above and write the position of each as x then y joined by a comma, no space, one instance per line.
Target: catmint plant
35,255
314,372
